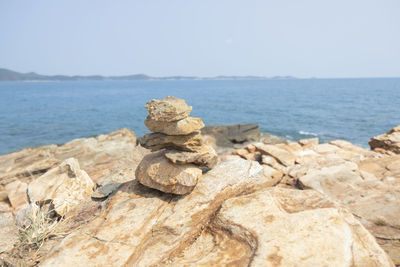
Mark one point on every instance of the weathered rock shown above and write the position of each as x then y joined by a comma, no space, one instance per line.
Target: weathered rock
206,156
17,194
283,156
144,227
109,185
157,141
66,186
388,142
181,127
156,171
97,156
169,108
375,202
226,136
309,141
283,227
271,139
8,230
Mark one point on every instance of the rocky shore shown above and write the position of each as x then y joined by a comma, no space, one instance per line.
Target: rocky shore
262,202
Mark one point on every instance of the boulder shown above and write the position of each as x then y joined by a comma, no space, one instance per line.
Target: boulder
206,157
182,127
169,108
388,142
66,186
227,136
156,141
156,171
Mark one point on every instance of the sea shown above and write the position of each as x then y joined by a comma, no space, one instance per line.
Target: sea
39,113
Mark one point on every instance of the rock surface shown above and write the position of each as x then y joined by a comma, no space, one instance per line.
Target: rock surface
182,127
293,228
156,141
388,142
156,171
226,136
16,192
206,156
66,186
169,108
308,205
8,229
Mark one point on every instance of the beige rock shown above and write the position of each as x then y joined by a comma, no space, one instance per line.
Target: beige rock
66,185
207,157
375,202
325,149
8,230
97,156
283,227
17,194
110,184
157,141
272,174
309,141
156,171
181,127
388,142
169,108
144,227
229,135
281,155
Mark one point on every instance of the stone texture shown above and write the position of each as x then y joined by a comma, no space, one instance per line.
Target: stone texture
99,156
298,228
169,108
388,142
144,227
8,230
206,156
110,184
157,141
181,127
66,186
283,156
226,136
17,194
309,141
156,171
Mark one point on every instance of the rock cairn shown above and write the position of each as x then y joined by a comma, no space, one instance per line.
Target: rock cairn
179,155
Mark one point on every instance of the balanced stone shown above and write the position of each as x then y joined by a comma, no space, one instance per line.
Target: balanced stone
169,108
181,127
206,156
156,141
156,171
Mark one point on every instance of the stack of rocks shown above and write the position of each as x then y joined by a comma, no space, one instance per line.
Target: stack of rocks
179,155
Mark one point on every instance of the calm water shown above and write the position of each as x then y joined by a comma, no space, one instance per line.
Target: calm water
39,113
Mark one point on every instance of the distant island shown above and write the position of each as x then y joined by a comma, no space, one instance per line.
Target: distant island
9,75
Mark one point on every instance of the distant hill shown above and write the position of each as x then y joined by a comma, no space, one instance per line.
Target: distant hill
9,75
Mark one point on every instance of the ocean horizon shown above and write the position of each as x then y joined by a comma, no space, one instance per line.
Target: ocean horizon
353,109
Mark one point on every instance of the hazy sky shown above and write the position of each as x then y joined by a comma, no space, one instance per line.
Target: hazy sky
304,38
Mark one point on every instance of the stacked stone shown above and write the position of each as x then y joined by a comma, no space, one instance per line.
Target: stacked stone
179,154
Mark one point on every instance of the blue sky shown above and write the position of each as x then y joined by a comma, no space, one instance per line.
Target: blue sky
308,38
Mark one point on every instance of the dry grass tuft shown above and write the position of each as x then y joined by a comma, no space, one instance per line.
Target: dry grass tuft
40,225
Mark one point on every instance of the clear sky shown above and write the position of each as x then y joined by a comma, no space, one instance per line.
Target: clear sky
303,38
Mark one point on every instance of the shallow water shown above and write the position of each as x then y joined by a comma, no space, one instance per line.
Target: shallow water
39,113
